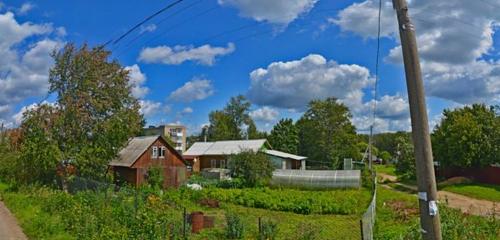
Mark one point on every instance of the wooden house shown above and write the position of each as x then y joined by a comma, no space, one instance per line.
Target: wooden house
135,160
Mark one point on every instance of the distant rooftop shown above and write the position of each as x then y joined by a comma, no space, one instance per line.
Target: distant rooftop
224,147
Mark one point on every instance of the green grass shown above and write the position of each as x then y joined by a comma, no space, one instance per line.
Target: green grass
398,218
387,169
476,190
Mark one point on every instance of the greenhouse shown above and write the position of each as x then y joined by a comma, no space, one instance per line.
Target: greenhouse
317,178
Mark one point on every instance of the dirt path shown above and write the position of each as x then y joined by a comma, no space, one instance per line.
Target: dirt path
9,229
465,204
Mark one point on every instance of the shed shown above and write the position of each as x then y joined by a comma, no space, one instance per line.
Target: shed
141,154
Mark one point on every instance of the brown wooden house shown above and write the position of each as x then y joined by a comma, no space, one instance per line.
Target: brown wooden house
141,153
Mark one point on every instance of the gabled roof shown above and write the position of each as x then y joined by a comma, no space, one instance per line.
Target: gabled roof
284,155
224,147
135,148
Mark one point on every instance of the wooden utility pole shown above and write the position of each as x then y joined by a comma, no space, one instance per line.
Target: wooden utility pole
427,194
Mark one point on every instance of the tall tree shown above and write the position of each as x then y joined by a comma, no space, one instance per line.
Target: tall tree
285,136
95,112
468,137
326,133
406,168
233,122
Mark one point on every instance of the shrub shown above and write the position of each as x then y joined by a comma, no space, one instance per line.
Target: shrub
268,230
254,168
235,228
155,177
233,183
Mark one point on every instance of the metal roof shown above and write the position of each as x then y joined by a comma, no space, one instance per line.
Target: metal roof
134,149
284,155
224,147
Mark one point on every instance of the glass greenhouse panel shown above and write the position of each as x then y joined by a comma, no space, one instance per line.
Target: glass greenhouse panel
317,178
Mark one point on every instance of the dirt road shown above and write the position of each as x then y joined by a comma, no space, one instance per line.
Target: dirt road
465,204
9,228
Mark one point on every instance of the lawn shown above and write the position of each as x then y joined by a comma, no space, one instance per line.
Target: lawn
387,169
476,190
398,218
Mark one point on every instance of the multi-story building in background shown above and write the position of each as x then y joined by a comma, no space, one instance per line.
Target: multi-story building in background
177,133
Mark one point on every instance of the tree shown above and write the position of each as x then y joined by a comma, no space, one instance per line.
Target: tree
94,115
285,136
233,122
326,133
467,137
254,168
386,156
405,166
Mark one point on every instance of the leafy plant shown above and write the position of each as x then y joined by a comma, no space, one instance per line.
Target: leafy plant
254,168
268,230
235,228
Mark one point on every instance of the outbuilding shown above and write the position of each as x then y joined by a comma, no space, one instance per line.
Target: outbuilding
141,154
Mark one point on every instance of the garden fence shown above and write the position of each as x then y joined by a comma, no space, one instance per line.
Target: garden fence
367,221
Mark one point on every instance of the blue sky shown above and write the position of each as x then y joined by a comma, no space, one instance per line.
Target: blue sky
281,54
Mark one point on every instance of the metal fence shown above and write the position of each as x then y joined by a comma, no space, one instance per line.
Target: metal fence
367,221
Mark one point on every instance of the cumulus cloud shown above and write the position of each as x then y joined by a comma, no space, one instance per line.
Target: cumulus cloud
452,46
23,70
205,55
276,11
25,8
187,110
293,84
264,114
149,108
137,79
196,89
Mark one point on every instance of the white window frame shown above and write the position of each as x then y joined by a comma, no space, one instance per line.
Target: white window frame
213,163
162,152
155,152
222,163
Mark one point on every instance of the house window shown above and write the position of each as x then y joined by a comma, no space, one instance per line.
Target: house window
155,152
162,152
213,163
222,163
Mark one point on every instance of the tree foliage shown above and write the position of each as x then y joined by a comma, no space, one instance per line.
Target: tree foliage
285,136
468,137
406,168
93,117
326,133
233,122
254,168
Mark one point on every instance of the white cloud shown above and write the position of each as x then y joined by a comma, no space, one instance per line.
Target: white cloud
25,8
187,110
196,89
264,114
205,55
451,46
149,108
147,28
137,79
293,84
276,11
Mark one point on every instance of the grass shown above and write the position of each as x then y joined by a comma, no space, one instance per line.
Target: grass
398,218
387,169
476,190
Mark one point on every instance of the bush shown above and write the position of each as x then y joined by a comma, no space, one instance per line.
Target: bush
155,177
233,183
254,168
268,230
235,228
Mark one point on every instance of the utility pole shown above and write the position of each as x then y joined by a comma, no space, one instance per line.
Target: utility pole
427,194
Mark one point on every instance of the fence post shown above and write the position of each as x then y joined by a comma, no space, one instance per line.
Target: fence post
361,228
260,228
184,220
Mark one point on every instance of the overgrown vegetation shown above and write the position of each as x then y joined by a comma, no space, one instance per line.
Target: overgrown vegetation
406,168
255,169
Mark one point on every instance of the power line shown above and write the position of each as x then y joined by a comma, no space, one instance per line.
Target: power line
143,21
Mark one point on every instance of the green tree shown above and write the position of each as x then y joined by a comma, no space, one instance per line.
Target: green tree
386,156
405,165
94,116
285,136
326,133
233,122
467,137
254,168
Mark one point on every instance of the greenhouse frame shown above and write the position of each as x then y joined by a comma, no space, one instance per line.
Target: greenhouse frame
316,179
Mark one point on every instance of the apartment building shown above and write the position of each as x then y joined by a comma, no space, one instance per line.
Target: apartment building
177,133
